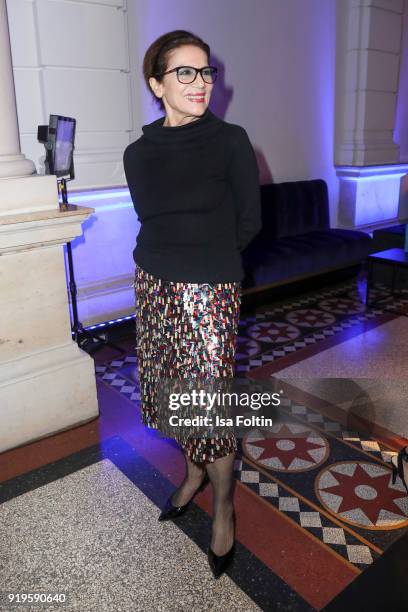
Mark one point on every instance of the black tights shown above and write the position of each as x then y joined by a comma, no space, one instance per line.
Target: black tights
220,473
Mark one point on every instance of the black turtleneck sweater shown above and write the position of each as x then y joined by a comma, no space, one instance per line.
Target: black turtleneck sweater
196,193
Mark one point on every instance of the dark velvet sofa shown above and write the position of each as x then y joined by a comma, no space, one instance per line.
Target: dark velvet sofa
296,240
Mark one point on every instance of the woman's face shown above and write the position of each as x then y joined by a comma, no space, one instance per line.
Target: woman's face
178,98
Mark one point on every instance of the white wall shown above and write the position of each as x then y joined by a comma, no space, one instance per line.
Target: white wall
71,58
102,256
277,60
277,79
401,122
83,58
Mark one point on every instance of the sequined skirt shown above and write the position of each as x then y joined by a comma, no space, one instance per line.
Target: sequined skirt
185,330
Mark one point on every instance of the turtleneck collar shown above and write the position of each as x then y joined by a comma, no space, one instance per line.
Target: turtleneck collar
188,133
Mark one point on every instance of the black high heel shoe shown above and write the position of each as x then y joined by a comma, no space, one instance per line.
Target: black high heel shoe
220,563
170,512
398,467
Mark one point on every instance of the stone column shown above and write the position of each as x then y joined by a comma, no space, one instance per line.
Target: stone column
12,162
366,157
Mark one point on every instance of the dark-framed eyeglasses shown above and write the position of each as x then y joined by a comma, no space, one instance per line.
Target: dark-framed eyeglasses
188,74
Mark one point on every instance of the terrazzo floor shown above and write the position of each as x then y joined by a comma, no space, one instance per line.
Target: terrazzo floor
96,534
319,523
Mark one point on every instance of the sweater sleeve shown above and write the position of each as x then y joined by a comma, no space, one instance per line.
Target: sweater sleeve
243,174
127,166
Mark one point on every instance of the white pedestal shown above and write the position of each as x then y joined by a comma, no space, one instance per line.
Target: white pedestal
47,383
370,196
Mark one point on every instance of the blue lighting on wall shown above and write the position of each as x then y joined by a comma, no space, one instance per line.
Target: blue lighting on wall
102,257
106,323
360,172
106,194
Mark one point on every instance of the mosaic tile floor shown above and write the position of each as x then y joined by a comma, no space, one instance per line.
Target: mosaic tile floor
319,523
332,483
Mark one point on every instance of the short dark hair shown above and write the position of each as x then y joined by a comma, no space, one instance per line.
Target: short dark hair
156,56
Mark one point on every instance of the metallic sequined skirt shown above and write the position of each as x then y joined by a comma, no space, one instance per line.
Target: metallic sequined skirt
185,330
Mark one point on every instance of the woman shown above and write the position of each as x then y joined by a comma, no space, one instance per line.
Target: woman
193,179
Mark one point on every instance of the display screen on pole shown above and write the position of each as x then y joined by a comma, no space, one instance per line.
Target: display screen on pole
64,145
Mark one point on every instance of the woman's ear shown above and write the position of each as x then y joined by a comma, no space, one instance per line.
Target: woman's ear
156,87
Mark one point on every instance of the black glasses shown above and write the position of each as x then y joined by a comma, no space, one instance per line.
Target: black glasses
188,74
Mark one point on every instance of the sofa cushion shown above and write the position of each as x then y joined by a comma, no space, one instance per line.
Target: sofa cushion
306,254
293,208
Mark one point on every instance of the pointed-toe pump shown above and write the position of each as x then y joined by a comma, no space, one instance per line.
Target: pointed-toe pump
220,563
398,466
171,512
